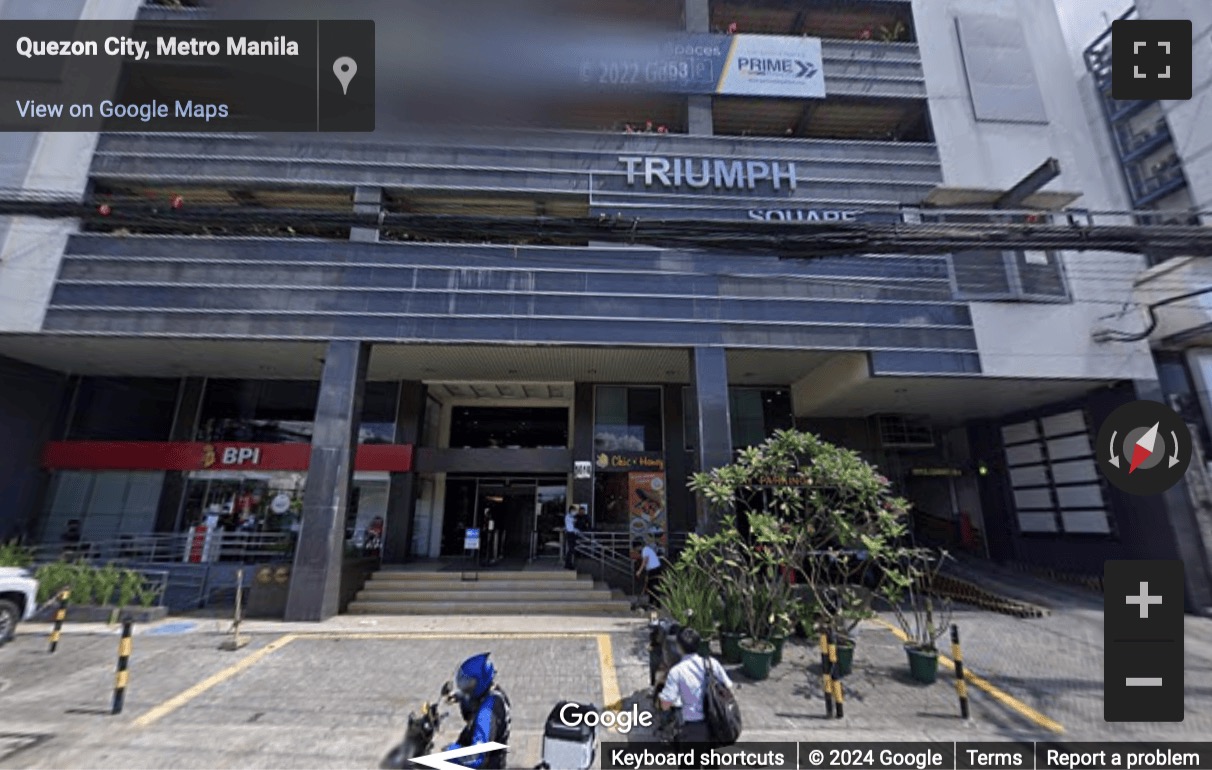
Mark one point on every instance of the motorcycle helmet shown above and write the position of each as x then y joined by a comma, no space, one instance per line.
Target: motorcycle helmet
475,675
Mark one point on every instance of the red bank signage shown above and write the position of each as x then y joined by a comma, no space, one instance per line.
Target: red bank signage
217,456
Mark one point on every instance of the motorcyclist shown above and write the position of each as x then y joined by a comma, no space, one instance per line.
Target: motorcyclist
485,709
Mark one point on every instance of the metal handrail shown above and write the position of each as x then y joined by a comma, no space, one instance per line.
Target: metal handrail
169,547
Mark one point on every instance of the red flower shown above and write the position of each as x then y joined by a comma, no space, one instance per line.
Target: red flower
662,130
732,28
865,34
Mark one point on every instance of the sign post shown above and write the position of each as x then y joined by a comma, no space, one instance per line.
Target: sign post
471,550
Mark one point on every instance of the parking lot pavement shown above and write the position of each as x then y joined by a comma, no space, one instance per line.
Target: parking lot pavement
339,695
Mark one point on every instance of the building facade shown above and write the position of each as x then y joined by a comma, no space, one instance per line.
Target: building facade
337,380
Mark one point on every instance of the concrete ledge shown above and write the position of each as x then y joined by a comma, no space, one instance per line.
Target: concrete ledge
82,613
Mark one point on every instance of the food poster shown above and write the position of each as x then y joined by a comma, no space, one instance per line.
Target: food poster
649,520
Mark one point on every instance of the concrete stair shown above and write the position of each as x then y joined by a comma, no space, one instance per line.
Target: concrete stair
558,592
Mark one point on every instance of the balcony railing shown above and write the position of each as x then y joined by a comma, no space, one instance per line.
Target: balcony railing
182,547
1137,144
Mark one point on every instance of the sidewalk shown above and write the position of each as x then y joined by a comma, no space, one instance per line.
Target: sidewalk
338,693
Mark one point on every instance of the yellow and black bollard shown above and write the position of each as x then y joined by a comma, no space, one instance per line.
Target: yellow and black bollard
826,675
60,614
961,687
835,675
123,675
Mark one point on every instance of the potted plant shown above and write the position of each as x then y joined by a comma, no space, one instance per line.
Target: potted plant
690,598
732,627
921,621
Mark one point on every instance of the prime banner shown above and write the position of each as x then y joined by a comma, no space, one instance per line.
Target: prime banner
736,65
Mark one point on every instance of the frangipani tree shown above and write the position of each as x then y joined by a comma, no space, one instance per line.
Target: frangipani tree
797,505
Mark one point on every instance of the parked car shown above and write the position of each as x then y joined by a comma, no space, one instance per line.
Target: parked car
18,600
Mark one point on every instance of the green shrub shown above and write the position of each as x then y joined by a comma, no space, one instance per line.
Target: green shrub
14,555
53,578
128,587
105,582
147,592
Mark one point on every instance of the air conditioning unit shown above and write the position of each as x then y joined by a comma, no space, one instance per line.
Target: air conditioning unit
903,431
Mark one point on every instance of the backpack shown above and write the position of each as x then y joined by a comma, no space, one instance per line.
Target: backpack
720,709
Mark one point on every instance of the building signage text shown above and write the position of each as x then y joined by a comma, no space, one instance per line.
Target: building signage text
702,173
629,461
802,215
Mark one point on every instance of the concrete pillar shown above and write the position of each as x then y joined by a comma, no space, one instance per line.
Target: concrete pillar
367,200
677,497
315,581
402,500
184,428
698,108
709,371
582,440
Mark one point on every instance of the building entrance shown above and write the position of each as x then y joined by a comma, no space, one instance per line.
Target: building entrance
518,518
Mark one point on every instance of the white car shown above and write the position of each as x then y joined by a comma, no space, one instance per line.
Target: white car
18,599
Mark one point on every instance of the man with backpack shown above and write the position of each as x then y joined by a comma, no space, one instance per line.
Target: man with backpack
688,686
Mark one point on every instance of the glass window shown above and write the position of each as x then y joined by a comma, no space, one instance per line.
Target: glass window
611,504
478,427
379,401
628,420
283,411
1008,275
757,413
124,409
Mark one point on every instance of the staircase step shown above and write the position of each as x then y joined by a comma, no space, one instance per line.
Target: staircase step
547,607
479,585
555,576
494,597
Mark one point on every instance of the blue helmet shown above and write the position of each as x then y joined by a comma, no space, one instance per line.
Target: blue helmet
475,675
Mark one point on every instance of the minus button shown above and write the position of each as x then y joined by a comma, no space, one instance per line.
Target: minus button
1143,681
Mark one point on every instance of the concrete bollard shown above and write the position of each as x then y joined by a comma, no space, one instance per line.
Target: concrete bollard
60,614
961,687
835,676
123,675
826,675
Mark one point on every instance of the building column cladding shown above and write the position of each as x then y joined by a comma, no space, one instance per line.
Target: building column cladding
676,472
582,439
698,108
31,400
709,369
315,581
402,498
184,428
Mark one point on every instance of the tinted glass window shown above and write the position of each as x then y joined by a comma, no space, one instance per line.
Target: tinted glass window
124,409
628,420
478,427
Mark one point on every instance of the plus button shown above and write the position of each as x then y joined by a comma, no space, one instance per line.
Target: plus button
1144,600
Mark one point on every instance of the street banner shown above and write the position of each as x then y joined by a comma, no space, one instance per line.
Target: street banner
646,499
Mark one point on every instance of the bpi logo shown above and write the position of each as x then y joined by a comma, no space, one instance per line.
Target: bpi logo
232,455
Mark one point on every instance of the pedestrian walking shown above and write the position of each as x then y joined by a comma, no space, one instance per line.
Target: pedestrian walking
684,689
649,570
571,531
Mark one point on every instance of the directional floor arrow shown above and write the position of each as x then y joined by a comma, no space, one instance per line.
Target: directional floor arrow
438,761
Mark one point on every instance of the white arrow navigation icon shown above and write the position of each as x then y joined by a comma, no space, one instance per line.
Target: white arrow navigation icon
1174,457
438,761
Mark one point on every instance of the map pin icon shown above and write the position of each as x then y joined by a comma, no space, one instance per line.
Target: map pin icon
345,68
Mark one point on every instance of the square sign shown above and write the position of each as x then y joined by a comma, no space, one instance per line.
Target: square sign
1152,59
471,540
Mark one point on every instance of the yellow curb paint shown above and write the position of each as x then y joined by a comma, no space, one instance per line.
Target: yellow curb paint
610,676
1002,697
179,700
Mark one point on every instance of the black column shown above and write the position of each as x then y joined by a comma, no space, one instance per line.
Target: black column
315,581
185,428
699,120
402,500
582,440
676,474
709,369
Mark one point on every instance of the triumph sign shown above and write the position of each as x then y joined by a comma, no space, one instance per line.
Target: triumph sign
703,173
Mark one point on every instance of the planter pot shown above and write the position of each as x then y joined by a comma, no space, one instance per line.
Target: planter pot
756,658
778,640
923,664
845,656
730,646
92,613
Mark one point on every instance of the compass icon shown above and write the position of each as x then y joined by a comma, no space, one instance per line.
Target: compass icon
1144,448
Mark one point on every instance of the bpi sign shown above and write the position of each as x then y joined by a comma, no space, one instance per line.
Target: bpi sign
240,455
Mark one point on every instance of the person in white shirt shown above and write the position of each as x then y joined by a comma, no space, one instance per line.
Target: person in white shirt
684,686
649,569
570,537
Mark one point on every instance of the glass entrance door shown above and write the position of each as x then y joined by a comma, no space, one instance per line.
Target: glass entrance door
507,510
